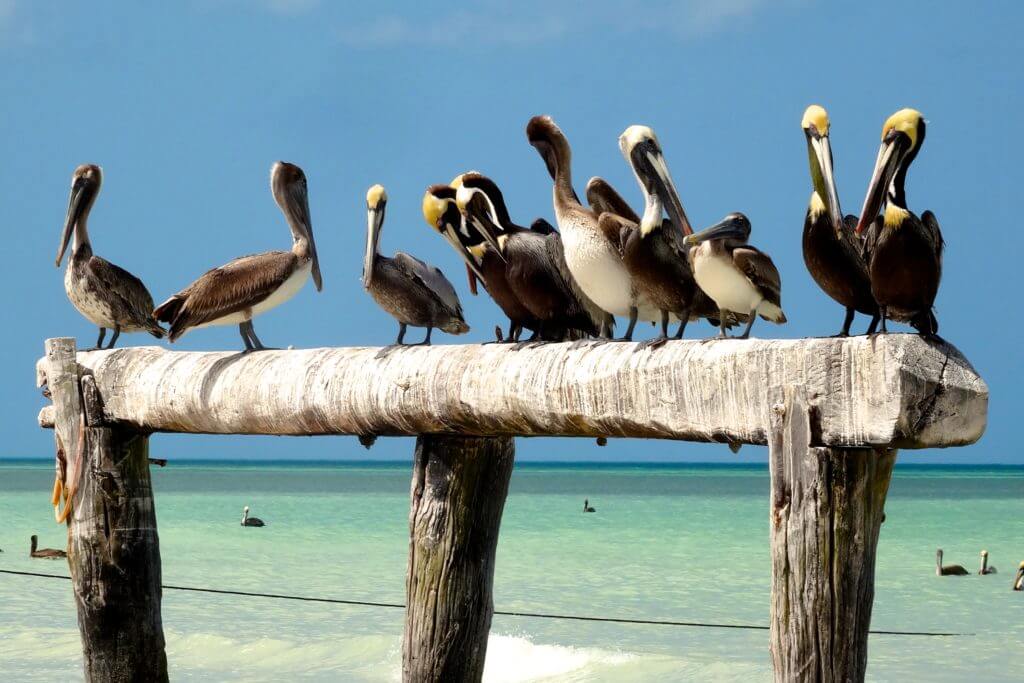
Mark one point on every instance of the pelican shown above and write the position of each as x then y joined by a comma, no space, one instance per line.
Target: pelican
534,259
238,291
904,252
483,259
1018,581
591,253
740,278
413,292
250,521
985,569
949,569
603,198
832,252
44,553
106,295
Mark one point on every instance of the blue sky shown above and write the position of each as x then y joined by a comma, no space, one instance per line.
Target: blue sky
186,105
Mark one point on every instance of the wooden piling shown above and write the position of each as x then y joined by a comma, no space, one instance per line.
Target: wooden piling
458,493
826,510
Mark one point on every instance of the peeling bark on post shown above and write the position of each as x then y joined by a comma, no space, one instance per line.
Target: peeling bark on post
458,493
826,510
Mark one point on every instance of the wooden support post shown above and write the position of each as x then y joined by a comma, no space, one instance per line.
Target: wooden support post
113,549
458,493
826,509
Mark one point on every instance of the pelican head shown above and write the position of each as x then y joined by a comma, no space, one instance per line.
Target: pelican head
550,142
819,151
640,146
376,203
85,185
288,185
735,227
483,208
902,137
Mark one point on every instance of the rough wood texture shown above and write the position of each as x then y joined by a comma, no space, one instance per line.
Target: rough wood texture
458,493
826,509
891,390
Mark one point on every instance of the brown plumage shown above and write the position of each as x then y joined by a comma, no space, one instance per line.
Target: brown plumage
44,553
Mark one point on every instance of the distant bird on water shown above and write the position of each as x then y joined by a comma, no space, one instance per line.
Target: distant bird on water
949,569
1018,581
106,295
985,569
250,521
238,291
411,291
44,553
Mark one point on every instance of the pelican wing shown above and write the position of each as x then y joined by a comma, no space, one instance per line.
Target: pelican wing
431,279
931,228
603,198
617,229
135,299
761,272
228,289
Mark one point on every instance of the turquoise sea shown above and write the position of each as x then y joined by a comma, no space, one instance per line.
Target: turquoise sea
669,542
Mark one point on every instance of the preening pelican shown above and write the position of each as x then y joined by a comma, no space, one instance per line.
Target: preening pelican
44,553
949,569
106,295
832,252
411,291
903,252
985,569
739,277
237,292
250,521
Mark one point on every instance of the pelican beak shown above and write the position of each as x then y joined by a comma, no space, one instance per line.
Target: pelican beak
649,163
733,226
374,221
301,208
76,205
890,155
479,212
823,152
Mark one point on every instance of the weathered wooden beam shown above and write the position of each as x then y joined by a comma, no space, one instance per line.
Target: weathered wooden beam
826,510
458,493
113,549
892,390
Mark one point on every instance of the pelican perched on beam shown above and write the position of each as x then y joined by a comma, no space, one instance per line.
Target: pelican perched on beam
535,266
483,259
740,278
904,252
413,292
238,291
108,296
832,252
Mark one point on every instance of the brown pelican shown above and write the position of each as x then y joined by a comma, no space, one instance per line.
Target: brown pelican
904,252
985,569
832,252
591,253
108,296
603,198
44,553
739,277
483,259
250,521
534,259
949,569
413,292
1018,581
238,291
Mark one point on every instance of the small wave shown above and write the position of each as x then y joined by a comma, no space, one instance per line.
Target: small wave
517,659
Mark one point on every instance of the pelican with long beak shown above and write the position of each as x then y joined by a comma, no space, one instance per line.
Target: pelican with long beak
238,291
1018,581
653,249
535,267
740,278
106,295
832,252
483,258
411,291
903,252
985,568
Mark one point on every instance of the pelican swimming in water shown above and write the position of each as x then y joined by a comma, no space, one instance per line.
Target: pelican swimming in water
985,569
1018,581
740,278
106,295
591,254
832,252
903,252
483,259
949,569
250,521
44,553
237,292
411,291
534,262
